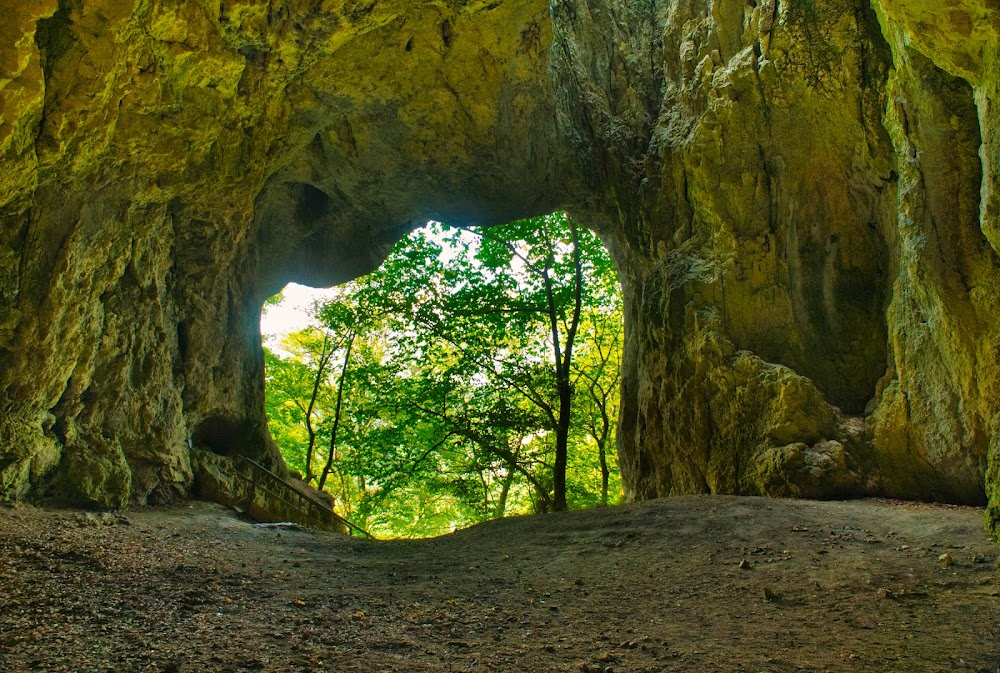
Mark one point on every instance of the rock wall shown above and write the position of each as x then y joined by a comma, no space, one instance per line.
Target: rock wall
751,237
169,165
943,388
801,198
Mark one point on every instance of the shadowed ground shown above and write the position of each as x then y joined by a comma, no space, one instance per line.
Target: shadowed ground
830,586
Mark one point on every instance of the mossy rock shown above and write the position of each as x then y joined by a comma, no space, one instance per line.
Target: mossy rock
95,475
801,471
993,489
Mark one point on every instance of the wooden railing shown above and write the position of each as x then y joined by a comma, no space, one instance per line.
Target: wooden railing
299,507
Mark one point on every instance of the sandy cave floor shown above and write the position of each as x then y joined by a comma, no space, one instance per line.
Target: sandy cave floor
656,586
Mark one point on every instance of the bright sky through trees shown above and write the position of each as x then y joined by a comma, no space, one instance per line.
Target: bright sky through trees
292,314
295,310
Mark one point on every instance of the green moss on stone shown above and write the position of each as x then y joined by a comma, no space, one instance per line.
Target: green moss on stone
96,475
993,485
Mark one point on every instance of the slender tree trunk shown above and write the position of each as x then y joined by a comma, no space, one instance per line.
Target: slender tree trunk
361,519
484,485
602,443
346,497
508,480
336,416
564,362
602,454
324,359
559,503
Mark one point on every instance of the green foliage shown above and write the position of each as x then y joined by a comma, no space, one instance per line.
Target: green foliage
450,363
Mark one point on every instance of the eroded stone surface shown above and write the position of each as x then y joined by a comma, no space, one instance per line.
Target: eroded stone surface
942,388
176,163
801,199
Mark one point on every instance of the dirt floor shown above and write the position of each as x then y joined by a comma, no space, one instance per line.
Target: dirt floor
687,584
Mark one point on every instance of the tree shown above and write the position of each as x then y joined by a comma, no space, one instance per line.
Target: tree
598,371
464,361
298,382
557,299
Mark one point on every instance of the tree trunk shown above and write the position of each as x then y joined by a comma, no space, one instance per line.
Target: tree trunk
559,503
508,480
324,359
602,442
336,416
602,454
564,363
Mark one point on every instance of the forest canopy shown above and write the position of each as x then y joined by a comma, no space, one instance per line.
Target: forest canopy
474,375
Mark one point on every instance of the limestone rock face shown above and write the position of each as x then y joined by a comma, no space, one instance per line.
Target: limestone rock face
801,198
942,389
169,165
812,183
751,217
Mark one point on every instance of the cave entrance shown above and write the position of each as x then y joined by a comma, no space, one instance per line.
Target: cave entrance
474,375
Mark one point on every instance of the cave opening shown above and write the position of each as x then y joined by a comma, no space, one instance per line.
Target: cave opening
222,435
474,375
